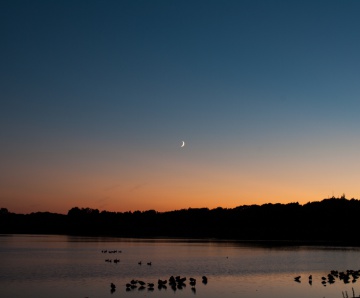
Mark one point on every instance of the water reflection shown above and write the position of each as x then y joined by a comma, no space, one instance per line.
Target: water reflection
67,266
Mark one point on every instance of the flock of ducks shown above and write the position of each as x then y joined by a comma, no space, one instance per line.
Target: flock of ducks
148,263
176,283
346,277
179,282
111,252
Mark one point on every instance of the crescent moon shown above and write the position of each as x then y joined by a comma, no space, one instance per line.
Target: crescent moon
183,144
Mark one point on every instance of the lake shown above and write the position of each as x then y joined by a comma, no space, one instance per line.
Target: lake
67,266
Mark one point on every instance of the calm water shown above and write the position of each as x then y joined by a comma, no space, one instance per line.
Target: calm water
65,266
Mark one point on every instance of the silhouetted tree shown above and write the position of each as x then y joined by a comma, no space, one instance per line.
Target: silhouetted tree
3,211
329,221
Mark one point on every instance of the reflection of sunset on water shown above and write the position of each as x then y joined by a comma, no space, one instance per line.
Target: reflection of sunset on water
70,266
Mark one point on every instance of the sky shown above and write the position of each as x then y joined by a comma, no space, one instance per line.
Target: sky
97,97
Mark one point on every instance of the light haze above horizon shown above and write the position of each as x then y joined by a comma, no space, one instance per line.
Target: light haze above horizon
97,98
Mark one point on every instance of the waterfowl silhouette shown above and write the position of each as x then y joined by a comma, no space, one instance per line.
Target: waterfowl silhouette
133,282
180,286
113,288
149,263
331,279
297,278
162,282
335,273
162,286
204,280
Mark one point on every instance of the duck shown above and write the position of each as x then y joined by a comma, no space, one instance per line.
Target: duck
180,286
162,282
162,286
181,280
204,280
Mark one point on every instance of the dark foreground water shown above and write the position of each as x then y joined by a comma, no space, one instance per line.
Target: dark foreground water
65,266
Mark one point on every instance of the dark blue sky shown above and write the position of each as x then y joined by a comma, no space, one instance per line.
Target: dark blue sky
264,93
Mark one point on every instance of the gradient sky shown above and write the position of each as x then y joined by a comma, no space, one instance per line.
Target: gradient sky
97,96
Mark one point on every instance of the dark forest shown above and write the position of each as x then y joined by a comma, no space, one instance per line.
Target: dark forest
332,221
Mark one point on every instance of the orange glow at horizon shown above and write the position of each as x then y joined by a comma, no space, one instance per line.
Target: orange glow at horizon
164,196
165,181
166,110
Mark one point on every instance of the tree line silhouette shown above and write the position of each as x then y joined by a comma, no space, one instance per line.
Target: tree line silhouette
331,221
